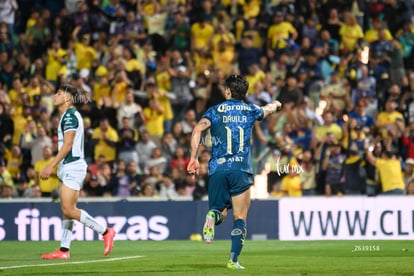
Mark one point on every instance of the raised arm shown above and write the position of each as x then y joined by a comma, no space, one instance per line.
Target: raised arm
370,155
271,108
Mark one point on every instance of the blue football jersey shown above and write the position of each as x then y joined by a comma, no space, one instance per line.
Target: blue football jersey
232,122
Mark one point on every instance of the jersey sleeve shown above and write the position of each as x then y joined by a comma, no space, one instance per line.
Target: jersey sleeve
258,112
69,122
209,114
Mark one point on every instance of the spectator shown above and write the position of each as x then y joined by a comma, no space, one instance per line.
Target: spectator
359,113
88,142
280,33
6,191
119,184
102,92
154,177
192,188
128,138
148,191
5,176
85,54
144,147
104,175
290,93
7,15
55,59
408,171
47,186
132,29
156,159
180,33
37,144
386,119
167,188
153,114
38,36
105,139
189,121
308,175
156,21
180,72
134,178
372,34
7,127
354,172
410,187
222,45
129,109
389,170
168,145
14,159
406,38
291,183
162,79
333,163
133,68
335,94
23,190
328,127
92,187
201,31
180,159
351,33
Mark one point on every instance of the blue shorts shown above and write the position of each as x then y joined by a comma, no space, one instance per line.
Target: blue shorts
223,185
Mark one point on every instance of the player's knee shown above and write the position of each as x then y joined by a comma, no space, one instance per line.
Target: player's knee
68,212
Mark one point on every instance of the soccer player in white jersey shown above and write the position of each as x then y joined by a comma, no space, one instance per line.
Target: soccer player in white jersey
230,167
71,172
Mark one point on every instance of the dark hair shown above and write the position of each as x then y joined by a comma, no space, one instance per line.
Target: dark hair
79,96
238,86
69,89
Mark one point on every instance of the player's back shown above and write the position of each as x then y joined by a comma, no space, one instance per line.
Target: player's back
231,130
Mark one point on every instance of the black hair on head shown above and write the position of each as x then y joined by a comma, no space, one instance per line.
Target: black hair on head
238,86
70,89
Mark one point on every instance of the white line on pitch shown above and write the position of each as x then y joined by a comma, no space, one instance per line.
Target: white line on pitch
78,262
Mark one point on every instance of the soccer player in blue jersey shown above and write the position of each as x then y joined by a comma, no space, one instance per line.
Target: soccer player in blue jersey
71,172
230,167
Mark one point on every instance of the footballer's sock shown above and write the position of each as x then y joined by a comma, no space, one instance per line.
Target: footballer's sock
218,216
67,226
238,235
90,222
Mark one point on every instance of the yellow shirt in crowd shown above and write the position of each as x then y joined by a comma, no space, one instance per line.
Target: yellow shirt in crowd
102,147
53,64
154,121
277,34
46,185
85,56
201,35
350,35
372,35
390,173
13,164
291,184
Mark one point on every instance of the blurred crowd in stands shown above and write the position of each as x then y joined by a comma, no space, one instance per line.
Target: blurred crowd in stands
343,69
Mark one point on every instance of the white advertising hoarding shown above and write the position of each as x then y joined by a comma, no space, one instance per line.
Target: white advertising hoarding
347,218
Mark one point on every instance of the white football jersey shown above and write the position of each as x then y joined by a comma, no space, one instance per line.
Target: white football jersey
71,120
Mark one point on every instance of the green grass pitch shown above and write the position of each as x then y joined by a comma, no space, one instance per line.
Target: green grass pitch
197,258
